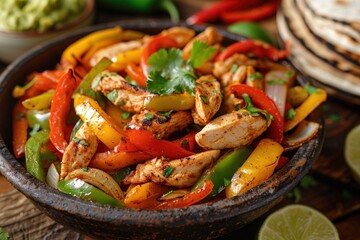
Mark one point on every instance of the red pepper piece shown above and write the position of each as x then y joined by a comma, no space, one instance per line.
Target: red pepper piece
260,49
262,101
190,198
135,73
153,46
19,126
147,142
125,146
214,11
187,141
282,161
60,108
253,14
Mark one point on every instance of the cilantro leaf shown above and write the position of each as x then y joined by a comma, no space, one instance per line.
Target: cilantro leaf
200,53
256,111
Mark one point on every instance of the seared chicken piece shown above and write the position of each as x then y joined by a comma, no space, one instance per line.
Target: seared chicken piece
210,36
207,99
254,79
184,172
121,93
231,130
115,49
182,35
79,151
161,126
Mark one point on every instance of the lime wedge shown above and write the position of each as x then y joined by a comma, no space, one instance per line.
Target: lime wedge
352,152
297,222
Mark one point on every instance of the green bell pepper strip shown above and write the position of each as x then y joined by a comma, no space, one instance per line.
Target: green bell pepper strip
83,190
143,6
85,87
223,170
38,117
32,154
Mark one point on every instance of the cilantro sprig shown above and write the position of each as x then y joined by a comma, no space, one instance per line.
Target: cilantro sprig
256,111
170,73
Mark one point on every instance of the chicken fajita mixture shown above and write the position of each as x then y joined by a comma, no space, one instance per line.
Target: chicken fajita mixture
161,121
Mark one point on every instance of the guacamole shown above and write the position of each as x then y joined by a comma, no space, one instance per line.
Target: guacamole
38,15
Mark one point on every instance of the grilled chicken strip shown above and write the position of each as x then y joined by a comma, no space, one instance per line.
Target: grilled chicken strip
210,36
182,35
207,99
113,50
161,126
231,130
185,171
79,151
121,93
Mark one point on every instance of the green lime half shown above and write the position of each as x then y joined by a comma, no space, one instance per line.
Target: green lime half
297,222
352,152
251,30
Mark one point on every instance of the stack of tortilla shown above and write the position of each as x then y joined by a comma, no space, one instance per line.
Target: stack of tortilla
324,36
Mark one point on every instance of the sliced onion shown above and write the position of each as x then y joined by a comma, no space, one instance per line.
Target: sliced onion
52,176
277,92
305,131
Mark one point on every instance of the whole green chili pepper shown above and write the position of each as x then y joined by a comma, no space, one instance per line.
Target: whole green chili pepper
83,190
143,6
38,117
32,154
223,170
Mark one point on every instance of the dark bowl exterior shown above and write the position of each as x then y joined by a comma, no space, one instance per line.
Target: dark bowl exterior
202,221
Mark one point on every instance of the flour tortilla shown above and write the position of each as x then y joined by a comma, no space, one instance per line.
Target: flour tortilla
341,36
311,65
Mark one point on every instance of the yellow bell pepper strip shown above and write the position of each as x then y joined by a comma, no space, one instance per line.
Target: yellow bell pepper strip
221,173
306,107
190,198
176,102
85,87
60,108
124,58
259,166
40,102
83,190
19,129
105,128
144,196
76,50
32,154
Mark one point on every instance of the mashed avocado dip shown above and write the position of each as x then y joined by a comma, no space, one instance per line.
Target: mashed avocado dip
38,15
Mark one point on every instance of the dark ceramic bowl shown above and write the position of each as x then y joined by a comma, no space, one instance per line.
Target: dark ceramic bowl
207,220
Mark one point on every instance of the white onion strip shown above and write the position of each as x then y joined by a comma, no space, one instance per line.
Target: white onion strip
305,131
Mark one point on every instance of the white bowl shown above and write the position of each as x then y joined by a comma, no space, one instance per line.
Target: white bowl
13,44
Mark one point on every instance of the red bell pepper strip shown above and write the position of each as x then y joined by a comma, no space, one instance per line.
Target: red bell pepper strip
190,198
282,161
253,14
19,127
147,142
135,72
262,101
125,146
187,141
159,41
60,108
258,48
214,11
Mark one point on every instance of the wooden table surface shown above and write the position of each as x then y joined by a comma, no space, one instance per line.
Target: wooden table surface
329,186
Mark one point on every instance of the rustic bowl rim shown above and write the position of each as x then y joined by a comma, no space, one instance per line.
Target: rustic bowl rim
277,185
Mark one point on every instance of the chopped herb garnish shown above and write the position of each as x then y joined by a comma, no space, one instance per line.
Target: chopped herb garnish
185,143
276,82
158,137
256,75
335,117
288,74
290,114
203,98
167,194
200,53
237,107
226,182
125,115
76,140
96,81
165,114
234,68
149,116
256,111
167,171
85,169
121,103
310,89
112,96
21,115
83,142
35,129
